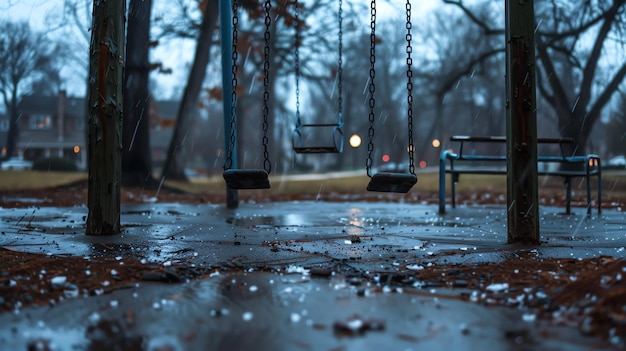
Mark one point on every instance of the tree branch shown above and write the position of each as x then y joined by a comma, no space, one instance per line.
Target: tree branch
447,85
606,94
558,91
594,57
486,29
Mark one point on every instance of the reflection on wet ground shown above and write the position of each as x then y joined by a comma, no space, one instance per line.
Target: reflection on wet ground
356,230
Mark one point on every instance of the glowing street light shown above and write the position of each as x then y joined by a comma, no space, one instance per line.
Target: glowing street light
436,143
355,140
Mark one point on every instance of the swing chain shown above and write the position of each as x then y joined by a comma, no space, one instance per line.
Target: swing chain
266,85
372,88
340,67
297,62
233,96
409,86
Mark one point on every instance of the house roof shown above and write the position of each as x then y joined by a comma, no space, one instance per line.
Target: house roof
31,104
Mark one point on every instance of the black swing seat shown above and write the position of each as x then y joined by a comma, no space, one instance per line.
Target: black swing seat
247,179
316,150
392,182
336,148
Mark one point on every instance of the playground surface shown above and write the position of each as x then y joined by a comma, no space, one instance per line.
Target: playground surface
310,275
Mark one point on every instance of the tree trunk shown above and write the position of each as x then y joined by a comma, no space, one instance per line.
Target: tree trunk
136,156
174,166
106,72
14,126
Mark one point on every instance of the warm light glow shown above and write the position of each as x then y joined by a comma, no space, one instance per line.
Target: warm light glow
4,151
76,149
436,143
423,164
355,140
386,158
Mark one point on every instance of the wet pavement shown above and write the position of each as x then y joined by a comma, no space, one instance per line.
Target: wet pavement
286,282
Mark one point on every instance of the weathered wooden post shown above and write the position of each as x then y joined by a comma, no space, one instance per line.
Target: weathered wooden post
521,123
106,71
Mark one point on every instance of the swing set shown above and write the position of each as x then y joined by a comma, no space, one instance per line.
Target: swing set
241,178
298,140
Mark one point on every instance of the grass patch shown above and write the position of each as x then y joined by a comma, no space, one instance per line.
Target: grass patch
29,180
427,181
613,183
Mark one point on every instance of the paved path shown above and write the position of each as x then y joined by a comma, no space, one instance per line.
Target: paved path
290,309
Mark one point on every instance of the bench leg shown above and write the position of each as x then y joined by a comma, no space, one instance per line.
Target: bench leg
568,196
588,194
442,186
453,180
599,190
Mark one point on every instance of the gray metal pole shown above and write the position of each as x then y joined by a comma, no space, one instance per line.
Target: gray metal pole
232,196
521,123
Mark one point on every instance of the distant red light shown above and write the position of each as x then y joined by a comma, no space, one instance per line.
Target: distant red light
423,164
386,158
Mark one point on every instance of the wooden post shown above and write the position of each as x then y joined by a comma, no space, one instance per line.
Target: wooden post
521,123
106,71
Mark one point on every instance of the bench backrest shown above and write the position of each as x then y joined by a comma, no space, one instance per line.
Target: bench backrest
498,151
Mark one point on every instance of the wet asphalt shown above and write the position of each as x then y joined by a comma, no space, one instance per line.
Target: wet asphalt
287,307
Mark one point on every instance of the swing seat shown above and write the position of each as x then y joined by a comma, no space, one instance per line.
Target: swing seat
335,148
247,179
392,182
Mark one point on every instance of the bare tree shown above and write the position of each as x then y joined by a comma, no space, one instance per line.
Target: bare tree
136,155
572,41
175,162
616,127
26,59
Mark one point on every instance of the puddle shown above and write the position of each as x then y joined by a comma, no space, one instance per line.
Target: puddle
286,220
26,200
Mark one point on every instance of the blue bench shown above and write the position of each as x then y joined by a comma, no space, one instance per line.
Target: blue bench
495,163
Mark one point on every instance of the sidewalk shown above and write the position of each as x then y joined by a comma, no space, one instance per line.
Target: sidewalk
310,276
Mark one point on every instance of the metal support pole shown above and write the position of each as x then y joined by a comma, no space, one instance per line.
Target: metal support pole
521,124
232,196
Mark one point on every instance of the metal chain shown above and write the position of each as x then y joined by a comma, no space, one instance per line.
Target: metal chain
372,88
409,85
233,96
266,84
340,67
297,62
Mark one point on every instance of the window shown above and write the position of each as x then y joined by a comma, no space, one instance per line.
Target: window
40,122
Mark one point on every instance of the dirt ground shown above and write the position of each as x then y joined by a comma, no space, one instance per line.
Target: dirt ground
588,294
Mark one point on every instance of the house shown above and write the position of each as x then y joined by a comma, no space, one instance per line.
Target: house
52,126
55,126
